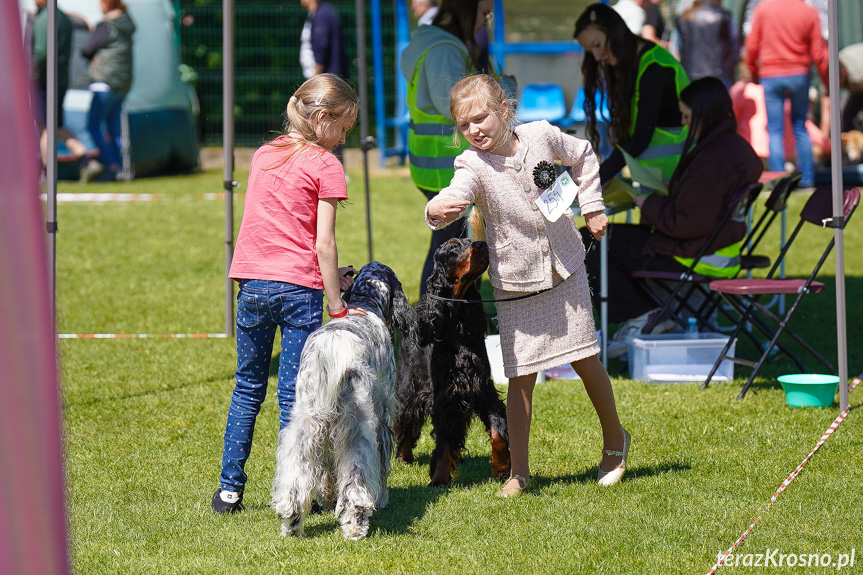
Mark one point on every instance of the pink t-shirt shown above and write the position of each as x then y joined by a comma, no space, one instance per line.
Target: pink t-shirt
277,236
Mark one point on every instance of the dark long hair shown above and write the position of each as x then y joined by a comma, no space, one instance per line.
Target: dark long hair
711,105
618,81
458,17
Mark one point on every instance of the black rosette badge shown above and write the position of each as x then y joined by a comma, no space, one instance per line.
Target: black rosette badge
544,175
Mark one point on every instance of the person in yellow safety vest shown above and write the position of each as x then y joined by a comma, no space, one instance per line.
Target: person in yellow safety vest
674,227
438,56
642,83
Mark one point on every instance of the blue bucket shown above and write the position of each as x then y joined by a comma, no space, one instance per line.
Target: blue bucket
809,389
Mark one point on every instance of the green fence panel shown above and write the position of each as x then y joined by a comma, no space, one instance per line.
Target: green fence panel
267,63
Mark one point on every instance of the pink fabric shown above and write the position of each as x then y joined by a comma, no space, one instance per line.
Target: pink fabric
785,38
277,237
32,508
748,102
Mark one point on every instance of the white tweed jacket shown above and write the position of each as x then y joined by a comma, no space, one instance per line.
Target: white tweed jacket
524,247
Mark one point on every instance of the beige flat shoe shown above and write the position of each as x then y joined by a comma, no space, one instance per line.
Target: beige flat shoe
514,491
609,478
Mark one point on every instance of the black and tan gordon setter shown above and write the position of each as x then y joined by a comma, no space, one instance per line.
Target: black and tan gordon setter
449,376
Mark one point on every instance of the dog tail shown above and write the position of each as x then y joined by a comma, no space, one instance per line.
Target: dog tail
476,225
329,358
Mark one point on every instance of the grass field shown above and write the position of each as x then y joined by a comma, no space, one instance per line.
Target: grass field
144,420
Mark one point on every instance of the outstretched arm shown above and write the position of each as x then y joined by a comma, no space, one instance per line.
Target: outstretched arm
444,211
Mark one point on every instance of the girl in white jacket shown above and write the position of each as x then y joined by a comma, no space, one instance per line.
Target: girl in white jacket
535,255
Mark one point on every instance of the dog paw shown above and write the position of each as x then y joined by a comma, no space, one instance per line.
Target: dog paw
500,474
355,527
405,454
384,499
292,526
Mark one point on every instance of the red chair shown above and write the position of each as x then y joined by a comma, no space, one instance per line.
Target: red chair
744,294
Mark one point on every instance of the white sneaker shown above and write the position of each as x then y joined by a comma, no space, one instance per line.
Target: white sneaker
633,327
616,349
91,171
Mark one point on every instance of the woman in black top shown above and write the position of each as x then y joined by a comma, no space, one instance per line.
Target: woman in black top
641,81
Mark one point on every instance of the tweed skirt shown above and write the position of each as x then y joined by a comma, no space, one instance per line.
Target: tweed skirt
547,330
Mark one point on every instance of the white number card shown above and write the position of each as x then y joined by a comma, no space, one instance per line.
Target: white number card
558,198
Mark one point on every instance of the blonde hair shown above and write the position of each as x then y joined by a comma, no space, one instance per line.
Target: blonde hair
306,109
481,91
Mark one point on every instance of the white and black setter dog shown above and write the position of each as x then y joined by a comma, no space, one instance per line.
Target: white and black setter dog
338,445
449,376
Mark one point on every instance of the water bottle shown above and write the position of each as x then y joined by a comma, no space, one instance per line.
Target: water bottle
691,329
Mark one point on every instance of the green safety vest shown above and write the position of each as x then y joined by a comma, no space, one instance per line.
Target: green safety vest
724,263
430,142
666,145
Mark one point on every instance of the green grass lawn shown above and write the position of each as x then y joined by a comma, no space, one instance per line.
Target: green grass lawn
144,420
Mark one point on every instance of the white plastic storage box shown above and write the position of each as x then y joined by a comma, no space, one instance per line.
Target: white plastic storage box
674,358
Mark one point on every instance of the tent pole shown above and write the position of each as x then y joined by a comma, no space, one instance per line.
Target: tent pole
838,200
228,151
366,142
51,158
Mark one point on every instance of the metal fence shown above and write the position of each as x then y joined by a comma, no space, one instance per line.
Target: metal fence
267,63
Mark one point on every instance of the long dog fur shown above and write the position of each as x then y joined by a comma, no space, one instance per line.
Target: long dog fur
338,444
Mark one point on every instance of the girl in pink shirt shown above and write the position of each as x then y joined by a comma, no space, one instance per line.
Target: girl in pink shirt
286,260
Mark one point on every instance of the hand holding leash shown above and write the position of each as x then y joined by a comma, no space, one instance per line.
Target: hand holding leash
596,222
346,277
346,280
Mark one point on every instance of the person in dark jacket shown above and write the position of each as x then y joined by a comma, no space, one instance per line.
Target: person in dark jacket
708,41
674,227
38,27
109,49
321,46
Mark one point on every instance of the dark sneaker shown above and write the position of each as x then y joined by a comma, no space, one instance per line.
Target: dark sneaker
227,502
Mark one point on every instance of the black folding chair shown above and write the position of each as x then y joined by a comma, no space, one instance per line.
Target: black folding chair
743,295
775,205
673,291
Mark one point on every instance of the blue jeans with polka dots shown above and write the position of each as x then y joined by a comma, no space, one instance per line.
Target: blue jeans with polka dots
262,307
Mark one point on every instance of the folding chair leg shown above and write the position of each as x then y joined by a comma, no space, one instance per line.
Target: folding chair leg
761,362
723,355
766,330
783,324
783,328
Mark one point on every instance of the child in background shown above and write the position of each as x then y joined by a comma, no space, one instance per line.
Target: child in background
286,260
502,174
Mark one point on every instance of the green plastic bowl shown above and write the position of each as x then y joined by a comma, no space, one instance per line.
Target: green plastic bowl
809,389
